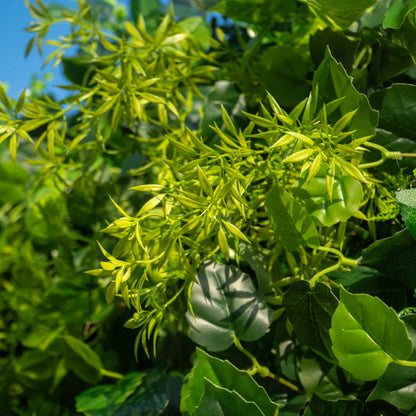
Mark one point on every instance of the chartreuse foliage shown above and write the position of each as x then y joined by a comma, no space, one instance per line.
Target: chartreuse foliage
234,176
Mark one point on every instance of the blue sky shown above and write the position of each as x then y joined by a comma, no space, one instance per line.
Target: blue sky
16,70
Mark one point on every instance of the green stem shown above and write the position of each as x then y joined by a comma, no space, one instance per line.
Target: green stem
343,261
406,363
264,371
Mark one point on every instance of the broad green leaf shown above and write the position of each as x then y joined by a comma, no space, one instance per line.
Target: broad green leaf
367,335
398,384
397,108
82,359
402,248
407,203
222,374
223,402
318,407
290,219
323,379
13,179
333,82
103,400
339,13
139,394
199,29
347,195
225,303
342,48
396,15
310,310
283,73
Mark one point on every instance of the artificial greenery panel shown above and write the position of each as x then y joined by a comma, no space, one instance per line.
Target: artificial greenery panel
239,182
225,304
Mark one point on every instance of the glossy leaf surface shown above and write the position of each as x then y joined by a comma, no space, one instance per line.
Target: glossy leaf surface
407,203
310,310
347,194
290,219
225,303
397,109
398,384
400,247
367,335
224,376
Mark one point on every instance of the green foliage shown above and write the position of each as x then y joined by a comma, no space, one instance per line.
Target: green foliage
239,176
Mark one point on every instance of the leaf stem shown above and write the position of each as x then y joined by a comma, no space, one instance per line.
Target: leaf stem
406,363
343,261
262,370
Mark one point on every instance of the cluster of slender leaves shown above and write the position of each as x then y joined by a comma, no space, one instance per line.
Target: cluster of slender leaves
248,181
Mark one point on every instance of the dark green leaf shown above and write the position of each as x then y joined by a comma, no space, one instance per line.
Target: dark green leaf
310,310
398,384
82,360
290,219
224,375
367,335
222,402
342,48
333,82
105,399
257,264
347,194
397,107
397,14
225,303
407,203
318,407
283,73
323,379
402,248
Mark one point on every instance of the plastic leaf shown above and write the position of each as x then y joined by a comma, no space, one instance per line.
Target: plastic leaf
291,222
225,303
367,335
223,375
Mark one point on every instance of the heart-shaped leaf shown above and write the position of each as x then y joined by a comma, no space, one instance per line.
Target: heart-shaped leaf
225,303
367,335
291,222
